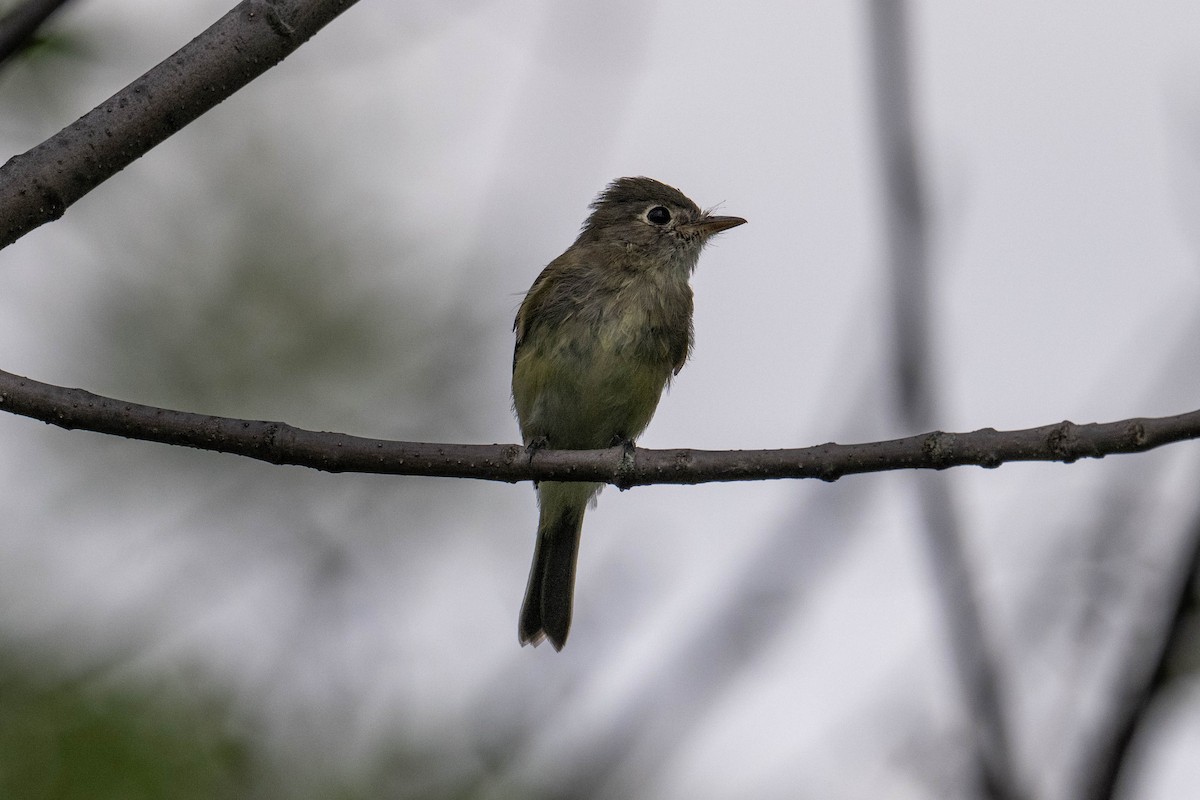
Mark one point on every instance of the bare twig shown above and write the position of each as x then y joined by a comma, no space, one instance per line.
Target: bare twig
279,443
39,185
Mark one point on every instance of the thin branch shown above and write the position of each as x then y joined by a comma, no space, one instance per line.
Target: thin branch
38,186
1144,672
279,443
18,25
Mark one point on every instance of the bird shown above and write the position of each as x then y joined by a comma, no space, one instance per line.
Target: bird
599,336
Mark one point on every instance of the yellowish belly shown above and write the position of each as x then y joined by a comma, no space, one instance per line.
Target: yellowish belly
586,391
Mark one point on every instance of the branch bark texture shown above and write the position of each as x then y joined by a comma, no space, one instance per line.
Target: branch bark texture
38,186
280,443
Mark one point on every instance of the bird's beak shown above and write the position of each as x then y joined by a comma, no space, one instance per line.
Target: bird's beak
710,226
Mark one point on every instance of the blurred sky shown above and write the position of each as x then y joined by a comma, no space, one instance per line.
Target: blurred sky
416,165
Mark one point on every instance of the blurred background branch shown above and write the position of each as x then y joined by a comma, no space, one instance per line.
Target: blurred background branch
1159,646
19,24
906,239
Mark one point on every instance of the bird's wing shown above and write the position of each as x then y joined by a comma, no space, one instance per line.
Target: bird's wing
535,298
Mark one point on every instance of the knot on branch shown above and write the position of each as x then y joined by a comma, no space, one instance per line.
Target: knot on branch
938,449
825,466
1062,440
623,474
1137,434
1067,446
274,19
270,432
986,452
514,453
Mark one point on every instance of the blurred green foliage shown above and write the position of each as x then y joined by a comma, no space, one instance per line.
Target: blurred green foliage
264,303
231,271
62,740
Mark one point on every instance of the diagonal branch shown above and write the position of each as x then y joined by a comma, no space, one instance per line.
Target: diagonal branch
38,186
279,443
1144,673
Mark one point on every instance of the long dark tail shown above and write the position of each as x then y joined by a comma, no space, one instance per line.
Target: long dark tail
546,612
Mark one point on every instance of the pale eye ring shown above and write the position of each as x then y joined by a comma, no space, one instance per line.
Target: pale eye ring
658,215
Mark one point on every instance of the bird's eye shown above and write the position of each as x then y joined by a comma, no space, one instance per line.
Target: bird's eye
658,215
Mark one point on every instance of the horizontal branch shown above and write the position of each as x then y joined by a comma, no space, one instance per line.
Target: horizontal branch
38,186
279,443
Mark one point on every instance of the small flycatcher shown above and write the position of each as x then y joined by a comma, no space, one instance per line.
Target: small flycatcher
599,336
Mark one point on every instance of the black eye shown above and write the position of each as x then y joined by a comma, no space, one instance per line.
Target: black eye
658,215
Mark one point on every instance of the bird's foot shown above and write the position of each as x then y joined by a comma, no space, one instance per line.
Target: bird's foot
627,460
535,444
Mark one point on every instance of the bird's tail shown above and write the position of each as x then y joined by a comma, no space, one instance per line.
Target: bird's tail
546,612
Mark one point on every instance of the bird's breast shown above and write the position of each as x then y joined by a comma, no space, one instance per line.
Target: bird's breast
597,374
